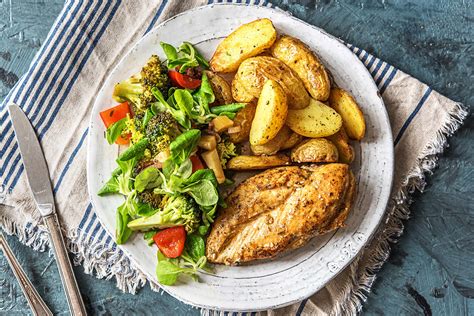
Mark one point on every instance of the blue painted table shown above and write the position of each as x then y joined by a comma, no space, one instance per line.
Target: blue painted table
430,269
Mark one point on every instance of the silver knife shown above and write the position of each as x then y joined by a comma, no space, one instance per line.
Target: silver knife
40,184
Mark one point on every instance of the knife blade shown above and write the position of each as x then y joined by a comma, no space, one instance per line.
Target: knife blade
33,161
40,184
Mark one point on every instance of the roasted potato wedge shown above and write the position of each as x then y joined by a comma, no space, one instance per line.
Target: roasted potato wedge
352,116
315,150
220,87
292,141
244,119
246,41
270,114
257,162
275,144
296,55
316,120
341,140
254,72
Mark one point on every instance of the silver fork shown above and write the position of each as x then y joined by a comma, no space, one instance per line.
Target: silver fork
37,305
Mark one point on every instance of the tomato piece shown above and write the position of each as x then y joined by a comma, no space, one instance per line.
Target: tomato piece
115,114
197,163
123,140
171,241
183,81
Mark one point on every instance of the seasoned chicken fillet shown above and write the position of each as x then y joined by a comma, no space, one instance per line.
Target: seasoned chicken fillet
280,209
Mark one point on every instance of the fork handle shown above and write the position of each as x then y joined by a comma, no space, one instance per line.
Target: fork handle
74,299
37,305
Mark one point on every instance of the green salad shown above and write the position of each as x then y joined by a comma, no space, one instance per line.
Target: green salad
171,171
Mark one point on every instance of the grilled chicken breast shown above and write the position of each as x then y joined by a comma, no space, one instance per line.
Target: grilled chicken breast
280,209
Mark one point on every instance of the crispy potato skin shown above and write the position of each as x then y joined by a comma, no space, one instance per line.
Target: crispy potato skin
257,162
315,150
352,116
316,120
220,87
292,141
275,144
341,140
270,114
253,73
244,119
246,41
296,55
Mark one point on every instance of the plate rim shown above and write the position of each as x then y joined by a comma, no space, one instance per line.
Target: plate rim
390,155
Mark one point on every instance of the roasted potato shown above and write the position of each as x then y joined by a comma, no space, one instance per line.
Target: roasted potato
352,116
257,162
275,144
244,119
253,73
315,150
316,120
246,41
296,55
220,87
341,140
292,141
270,114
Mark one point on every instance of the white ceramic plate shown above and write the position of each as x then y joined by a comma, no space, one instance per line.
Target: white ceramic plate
296,275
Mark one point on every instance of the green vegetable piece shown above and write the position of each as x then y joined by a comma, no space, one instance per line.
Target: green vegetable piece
189,49
202,174
195,246
134,151
227,108
169,51
167,273
179,115
122,232
147,117
148,178
204,192
182,147
184,101
179,210
148,236
115,130
110,187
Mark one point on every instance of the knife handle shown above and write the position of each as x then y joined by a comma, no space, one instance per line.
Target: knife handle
74,299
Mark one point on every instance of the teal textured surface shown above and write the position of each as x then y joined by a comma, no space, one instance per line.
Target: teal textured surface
430,269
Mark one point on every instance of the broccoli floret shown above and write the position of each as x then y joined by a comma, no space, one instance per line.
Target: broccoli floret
134,128
226,150
161,130
149,197
137,89
177,210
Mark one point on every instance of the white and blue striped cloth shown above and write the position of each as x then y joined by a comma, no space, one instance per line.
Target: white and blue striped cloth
57,93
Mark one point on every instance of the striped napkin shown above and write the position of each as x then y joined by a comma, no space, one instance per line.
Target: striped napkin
57,93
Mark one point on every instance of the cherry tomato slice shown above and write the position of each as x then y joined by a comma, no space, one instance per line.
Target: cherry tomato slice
183,81
115,114
171,241
197,163
123,140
